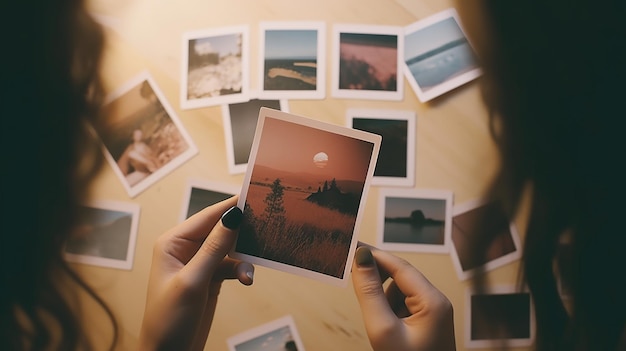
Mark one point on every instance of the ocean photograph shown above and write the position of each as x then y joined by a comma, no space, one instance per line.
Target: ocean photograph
290,61
414,221
438,53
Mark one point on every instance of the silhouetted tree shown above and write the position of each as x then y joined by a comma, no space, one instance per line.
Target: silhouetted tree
274,214
325,186
333,184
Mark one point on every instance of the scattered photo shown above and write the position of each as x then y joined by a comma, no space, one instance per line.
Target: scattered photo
105,235
215,67
485,218
292,60
144,139
239,120
303,195
414,220
501,317
396,160
367,62
203,193
437,55
278,335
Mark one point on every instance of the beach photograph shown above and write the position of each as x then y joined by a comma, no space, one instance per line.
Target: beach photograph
144,139
239,120
396,160
215,67
290,58
500,317
438,56
302,196
415,220
499,239
104,235
367,63
278,335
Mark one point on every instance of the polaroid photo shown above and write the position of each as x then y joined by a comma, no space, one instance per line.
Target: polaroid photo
203,193
303,195
503,316
396,159
278,335
215,67
367,62
105,235
239,120
437,55
144,139
414,220
505,244
292,60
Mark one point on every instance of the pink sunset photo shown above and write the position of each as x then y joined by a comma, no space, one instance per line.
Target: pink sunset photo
304,193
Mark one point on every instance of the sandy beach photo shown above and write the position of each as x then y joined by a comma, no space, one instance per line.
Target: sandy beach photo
292,60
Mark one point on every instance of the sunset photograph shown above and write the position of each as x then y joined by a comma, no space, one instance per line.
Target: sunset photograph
304,191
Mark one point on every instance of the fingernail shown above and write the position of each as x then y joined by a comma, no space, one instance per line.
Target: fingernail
250,274
364,256
232,218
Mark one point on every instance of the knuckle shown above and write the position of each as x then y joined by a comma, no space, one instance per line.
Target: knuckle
370,288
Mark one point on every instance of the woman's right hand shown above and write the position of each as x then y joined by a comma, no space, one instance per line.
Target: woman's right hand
410,315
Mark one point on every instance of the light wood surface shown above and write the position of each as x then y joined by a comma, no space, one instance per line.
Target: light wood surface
453,152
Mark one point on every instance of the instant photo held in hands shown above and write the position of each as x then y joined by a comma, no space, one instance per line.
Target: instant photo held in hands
303,195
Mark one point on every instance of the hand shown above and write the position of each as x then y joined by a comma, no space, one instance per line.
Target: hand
410,315
188,268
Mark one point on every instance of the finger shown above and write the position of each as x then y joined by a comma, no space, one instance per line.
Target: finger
396,300
377,313
220,240
197,227
234,269
383,275
408,279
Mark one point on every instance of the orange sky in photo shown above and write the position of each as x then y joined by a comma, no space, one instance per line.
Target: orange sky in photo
291,147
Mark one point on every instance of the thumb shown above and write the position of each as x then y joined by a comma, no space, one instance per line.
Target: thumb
368,288
220,240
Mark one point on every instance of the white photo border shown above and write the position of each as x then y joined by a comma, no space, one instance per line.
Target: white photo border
312,123
234,168
320,91
191,151
286,321
244,30
367,94
405,115
108,205
449,85
494,343
434,194
204,185
493,264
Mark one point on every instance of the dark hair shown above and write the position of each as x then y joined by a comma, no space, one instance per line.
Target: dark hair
51,93
553,77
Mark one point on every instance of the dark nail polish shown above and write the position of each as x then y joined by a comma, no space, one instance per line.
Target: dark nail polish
232,218
364,256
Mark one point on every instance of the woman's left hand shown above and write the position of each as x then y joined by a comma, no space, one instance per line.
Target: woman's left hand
189,265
